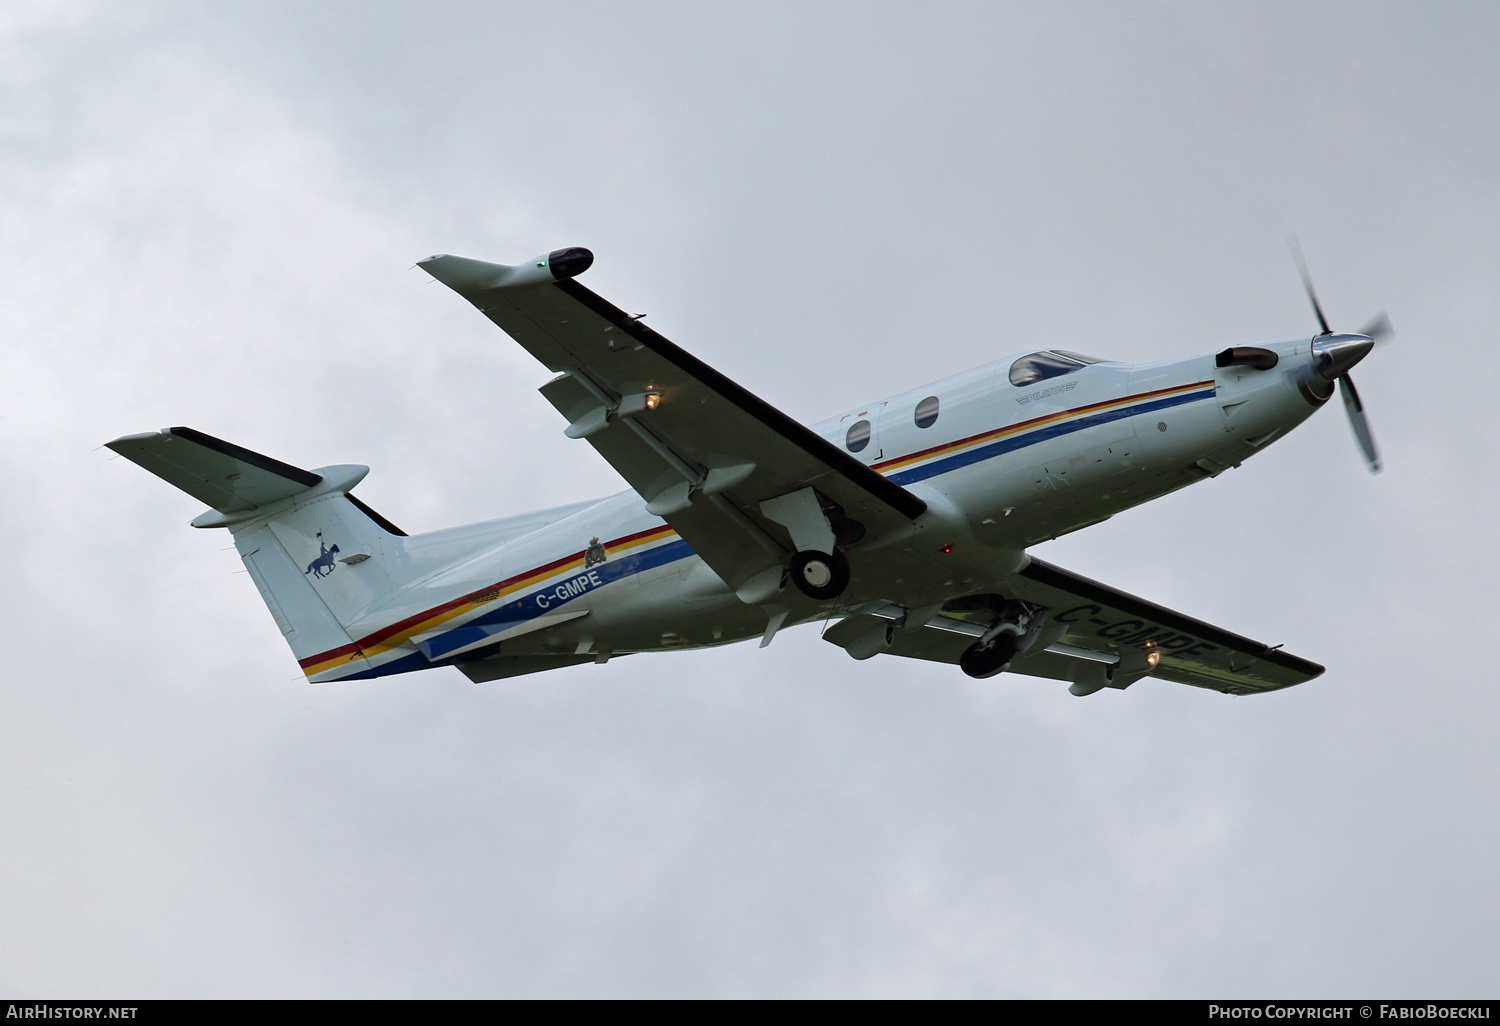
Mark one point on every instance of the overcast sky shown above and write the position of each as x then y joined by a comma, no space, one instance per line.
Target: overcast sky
209,217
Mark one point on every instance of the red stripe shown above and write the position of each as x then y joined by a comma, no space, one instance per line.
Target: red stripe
1019,425
396,628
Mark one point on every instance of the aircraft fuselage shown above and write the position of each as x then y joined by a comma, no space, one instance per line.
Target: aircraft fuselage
1000,466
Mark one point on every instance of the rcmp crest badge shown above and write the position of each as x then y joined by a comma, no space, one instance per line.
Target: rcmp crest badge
594,554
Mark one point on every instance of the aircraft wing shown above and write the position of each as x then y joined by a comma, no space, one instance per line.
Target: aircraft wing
1090,625
700,449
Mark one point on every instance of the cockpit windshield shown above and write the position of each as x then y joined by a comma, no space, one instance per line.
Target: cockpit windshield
1028,370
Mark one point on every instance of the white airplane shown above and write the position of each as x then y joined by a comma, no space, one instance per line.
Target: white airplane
905,522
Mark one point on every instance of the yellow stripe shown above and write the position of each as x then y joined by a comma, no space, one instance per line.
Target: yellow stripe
1029,425
488,598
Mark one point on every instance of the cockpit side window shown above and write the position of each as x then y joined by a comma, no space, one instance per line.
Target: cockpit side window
1078,356
1028,370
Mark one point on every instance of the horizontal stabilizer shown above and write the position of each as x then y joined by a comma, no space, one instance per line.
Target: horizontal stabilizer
219,473
446,644
482,671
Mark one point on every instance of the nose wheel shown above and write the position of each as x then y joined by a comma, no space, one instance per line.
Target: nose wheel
820,575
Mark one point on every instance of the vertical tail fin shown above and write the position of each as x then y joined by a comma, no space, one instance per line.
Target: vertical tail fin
319,557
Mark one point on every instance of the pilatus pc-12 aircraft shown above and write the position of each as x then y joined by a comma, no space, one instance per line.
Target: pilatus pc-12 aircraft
904,522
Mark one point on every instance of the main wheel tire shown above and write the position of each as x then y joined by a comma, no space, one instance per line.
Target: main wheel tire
820,575
986,662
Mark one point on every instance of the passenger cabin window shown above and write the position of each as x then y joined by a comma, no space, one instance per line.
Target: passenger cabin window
858,436
1028,370
926,413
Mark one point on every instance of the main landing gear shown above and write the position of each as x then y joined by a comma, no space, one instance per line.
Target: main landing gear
1014,630
820,575
817,527
986,660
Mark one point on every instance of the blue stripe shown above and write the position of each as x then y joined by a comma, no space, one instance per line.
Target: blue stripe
415,661
559,594
529,606
1005,445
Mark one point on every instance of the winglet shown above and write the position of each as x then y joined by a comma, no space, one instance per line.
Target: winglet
475,280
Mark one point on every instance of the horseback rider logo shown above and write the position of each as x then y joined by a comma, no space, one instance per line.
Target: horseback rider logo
594,554
323,565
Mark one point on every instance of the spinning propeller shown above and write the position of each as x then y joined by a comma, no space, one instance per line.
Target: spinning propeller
1337,352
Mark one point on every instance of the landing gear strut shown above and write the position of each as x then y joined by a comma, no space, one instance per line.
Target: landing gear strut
820,575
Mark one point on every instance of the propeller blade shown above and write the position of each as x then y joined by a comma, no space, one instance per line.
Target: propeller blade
1291,240
1378,327
1356,411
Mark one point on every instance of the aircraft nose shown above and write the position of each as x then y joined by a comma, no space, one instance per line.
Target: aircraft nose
1334,355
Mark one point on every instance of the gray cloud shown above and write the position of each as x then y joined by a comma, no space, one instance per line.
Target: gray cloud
210,219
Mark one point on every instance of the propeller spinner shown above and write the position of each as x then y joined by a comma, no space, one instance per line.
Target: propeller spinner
1337,352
